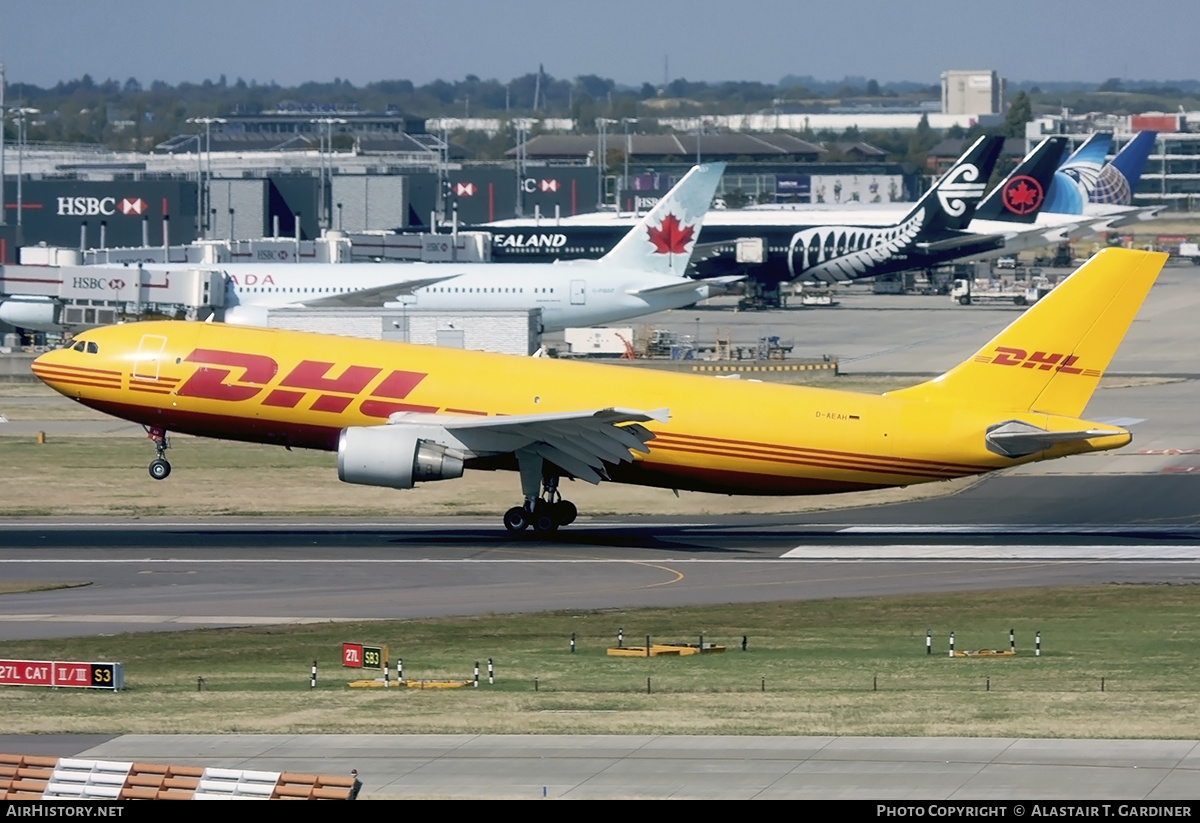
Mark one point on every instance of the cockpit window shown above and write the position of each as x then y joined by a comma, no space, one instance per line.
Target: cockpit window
92,348
78,346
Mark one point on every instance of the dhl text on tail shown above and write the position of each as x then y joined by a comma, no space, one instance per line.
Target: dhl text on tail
401,414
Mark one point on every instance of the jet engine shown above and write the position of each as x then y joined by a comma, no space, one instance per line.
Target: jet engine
246,316
36,313
394,456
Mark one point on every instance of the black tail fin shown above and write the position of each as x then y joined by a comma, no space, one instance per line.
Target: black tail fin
1019,197
951,203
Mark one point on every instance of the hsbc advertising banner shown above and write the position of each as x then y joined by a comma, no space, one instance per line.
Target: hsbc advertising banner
484,195
54,211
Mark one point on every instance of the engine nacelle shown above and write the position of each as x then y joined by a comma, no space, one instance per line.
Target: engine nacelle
394,456
33,313
246,316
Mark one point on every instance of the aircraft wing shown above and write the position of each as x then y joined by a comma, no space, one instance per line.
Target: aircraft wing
1135,215
377,296
578,442
691,285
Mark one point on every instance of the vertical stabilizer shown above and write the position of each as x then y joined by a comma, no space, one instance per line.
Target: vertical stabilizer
1076,178
1050,359
662,242
1120,178
1020,196
950,203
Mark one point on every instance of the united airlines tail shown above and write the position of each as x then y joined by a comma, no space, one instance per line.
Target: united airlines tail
1119,179
1019,197
1076,178
663,241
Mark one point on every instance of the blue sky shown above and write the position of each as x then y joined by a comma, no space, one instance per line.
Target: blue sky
627,40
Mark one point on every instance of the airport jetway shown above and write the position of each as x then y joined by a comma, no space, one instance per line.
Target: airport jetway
50,298
331,247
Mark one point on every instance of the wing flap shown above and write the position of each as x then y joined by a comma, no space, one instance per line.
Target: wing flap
581,443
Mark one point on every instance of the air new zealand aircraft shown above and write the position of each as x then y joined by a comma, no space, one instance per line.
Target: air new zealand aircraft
790,244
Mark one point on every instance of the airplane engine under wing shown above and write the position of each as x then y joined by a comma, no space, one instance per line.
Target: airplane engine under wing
394,456
37,313
247,316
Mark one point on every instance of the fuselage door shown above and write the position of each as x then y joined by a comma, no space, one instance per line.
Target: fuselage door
578,292
149,354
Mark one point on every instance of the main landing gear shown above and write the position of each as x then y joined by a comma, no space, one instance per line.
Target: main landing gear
544,509
160,469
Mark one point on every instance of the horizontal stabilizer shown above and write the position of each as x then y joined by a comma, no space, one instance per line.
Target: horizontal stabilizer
985,241
1013,438
716,284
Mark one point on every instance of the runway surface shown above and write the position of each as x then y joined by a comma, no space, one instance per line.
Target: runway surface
1005,532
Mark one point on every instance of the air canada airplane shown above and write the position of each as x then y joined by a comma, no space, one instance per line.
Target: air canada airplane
399,414
645,272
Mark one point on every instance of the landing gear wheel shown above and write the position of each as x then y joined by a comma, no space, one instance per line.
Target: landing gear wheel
516,519
544,520
564,512
160,469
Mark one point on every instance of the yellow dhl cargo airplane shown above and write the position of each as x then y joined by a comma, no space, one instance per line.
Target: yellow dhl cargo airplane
400,414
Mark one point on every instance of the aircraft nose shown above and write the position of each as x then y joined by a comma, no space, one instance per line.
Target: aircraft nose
46,365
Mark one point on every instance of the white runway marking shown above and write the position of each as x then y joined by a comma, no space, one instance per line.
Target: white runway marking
1000,528
1062,554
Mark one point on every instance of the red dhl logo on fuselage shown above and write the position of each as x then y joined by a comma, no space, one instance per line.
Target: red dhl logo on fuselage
1043,361
335,391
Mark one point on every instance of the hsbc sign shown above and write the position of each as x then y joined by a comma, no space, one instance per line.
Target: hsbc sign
532,184
97,206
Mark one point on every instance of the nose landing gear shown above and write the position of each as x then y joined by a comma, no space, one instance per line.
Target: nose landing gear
160,469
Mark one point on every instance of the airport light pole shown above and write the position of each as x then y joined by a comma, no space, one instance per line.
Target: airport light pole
204,198
602,124
325,138
22,115
625,121
522,125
